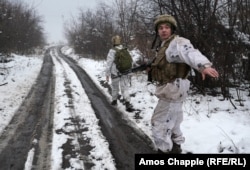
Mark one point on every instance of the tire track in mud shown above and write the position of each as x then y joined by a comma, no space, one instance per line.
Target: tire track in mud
124,141
31,125
82,147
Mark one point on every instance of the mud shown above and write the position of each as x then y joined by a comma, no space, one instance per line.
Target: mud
34,121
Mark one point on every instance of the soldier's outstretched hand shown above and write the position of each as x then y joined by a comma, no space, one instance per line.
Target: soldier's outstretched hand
210,72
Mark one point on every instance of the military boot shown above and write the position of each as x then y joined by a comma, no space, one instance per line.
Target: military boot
176,149
129,107
114,103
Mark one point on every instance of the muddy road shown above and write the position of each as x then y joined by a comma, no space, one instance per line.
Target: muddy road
32,125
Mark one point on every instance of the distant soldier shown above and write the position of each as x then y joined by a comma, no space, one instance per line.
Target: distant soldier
113,70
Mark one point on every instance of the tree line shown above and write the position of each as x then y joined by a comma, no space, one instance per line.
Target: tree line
20,28
220,29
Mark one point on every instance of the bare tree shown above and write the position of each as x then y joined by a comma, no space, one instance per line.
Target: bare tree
127,18
20,28
216,27
92,33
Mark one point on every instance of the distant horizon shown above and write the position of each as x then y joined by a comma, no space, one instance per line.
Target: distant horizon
56,13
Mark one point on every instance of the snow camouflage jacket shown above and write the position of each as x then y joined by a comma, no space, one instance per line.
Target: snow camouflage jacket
180,50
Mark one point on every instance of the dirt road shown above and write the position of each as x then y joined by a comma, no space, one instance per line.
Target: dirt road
34,121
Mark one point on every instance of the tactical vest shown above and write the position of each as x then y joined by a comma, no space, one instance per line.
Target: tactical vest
162,71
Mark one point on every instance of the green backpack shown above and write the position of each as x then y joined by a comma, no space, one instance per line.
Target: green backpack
123,60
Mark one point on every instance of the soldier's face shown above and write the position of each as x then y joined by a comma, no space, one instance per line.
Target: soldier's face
164,31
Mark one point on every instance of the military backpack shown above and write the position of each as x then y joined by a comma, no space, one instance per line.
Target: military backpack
123,60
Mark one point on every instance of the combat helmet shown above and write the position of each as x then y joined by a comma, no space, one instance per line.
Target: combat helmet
116,40
165,19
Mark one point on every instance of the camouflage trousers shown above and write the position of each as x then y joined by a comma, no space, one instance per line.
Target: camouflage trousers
166,121
121,84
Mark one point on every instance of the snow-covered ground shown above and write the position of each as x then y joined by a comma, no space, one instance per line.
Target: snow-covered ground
210,125
16,79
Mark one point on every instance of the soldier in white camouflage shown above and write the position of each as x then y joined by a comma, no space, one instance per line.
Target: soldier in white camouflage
175,56
118,83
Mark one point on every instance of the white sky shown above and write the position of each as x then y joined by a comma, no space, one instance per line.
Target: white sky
56,12
210,125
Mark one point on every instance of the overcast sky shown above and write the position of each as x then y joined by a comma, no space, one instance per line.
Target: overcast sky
57,12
